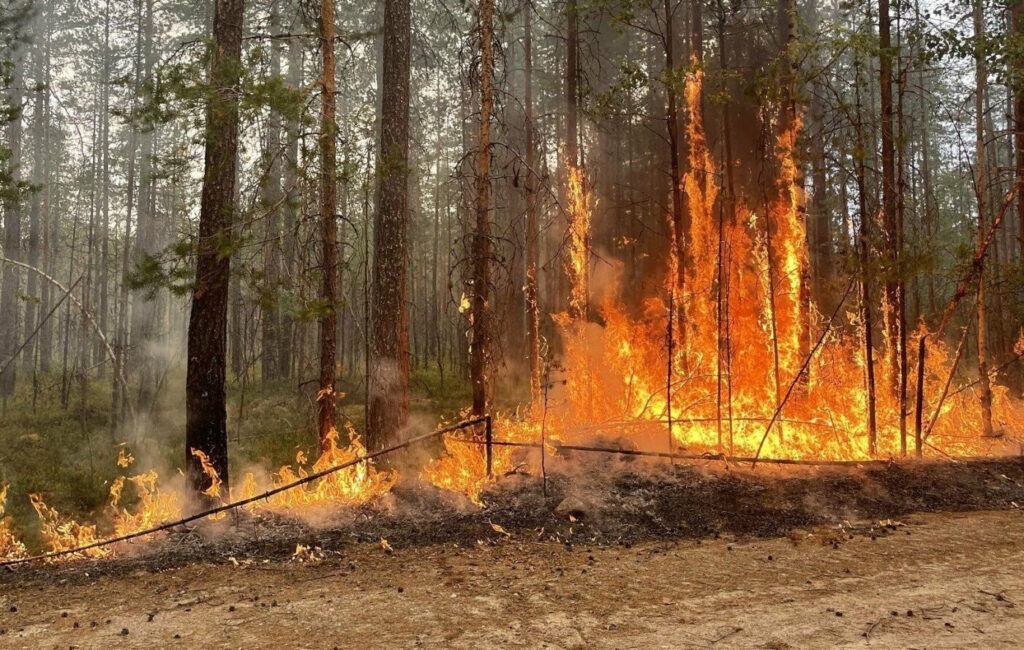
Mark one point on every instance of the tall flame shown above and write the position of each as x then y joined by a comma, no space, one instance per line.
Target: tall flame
746,299
577,260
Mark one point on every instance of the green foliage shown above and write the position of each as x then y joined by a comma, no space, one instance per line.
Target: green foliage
171,269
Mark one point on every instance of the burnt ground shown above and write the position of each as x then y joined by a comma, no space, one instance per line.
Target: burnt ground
617,555
601,500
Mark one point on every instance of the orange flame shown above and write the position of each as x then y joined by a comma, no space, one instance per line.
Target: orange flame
10,547
578,258
63,534
746,299
353,485
153,507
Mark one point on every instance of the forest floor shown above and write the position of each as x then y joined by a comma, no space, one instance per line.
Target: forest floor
607,554
947,580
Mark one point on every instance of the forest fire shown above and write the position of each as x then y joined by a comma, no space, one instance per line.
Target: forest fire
314,312
153,503
725,362
688,319
709,365
10,546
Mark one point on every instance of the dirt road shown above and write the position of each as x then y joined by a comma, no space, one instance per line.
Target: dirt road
937,581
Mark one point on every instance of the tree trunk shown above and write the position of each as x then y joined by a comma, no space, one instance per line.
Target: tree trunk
1017,16
34,228
389,349
290,210
49,221
102,274
571,82
205,408
480,348
326,399
532,229
819,223
146,304
863,247
980,189
891,237
679,224
580,232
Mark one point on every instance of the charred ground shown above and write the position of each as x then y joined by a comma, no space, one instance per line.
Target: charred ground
595,501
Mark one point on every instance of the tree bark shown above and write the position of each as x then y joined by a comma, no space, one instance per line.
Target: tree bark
891,236
981,181
205,408
571,83
271,197
679,225
326,399
35,210
863,247
290,210
146,303
1017,17
389,349
480,348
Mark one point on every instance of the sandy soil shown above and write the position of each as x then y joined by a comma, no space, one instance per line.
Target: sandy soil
935,581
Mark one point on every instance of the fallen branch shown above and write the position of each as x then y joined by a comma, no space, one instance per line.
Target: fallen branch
945,388
977,264
88,316
803,369
713,457
39,326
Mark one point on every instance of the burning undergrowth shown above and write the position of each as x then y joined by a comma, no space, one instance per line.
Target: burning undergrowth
599,500
142,502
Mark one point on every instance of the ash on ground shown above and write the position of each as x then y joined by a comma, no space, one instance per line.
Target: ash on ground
594,501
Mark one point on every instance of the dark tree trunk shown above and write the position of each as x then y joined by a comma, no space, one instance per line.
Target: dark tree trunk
326,399
863,247
679,224
389,322
480,348
206,413
572,67
981,181
819,223
1017,15
891,235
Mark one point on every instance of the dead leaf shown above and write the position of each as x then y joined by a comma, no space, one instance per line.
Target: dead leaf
499,529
